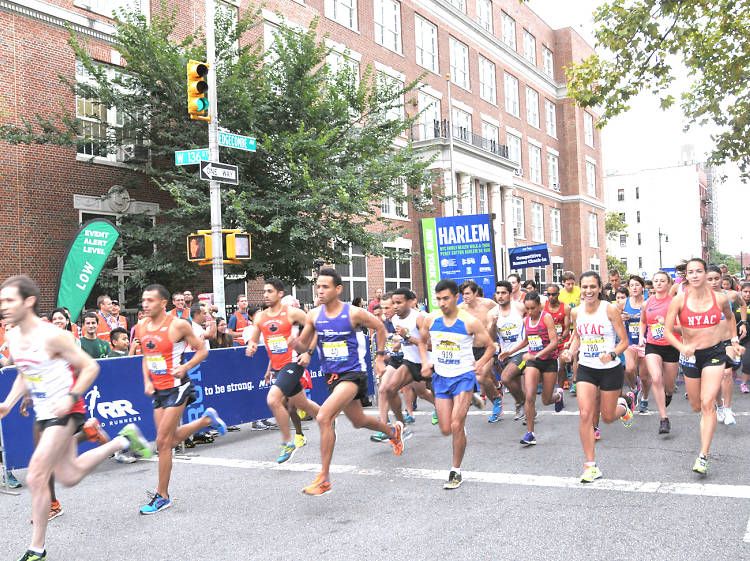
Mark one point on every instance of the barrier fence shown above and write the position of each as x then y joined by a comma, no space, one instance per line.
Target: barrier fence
227,380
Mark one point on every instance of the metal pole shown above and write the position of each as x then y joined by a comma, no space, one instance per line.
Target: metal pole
660,266
217,265
449,132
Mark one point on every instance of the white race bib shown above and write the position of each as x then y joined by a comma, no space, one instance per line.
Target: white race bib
688,361
335,351
277,345
447,352
592,346
535,343
657,331
156,365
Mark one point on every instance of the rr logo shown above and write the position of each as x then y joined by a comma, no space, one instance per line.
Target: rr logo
109,409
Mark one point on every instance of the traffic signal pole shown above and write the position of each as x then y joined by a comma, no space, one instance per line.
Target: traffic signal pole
217,265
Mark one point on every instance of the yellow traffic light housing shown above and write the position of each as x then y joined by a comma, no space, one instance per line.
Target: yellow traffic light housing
199,247
236,246
197,90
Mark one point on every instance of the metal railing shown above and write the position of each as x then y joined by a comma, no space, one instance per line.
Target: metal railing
444,128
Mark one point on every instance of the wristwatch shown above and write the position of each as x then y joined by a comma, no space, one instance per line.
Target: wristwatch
75,396
613,355
311,351
379,353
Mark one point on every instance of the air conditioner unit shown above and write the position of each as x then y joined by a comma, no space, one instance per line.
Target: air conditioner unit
132,153
516,232
519,172
556,187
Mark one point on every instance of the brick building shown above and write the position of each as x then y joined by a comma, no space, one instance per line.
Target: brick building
507,140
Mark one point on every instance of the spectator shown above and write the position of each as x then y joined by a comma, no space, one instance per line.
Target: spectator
135,343
376,300
90,343
724,269
121,321
179,310
118,339
60,318
105,321
614,280
747,272
359,301
204,325
239,320
223,339
189,302
530,286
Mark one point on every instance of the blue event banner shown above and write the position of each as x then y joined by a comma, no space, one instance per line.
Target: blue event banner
227,380
528,256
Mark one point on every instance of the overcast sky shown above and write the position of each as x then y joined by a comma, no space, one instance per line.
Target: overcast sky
646,136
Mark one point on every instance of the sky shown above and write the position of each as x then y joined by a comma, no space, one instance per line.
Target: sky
647,136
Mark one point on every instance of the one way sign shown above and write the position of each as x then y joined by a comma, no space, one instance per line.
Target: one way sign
215,171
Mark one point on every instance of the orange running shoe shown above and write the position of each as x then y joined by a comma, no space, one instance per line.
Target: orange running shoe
55,510
397,439
318,487
95,432
566,385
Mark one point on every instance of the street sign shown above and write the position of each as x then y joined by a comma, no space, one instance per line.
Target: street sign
231,140
215,171
190,157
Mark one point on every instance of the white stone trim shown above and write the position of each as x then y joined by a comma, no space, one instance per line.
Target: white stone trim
491,120
100,205
55,15
392,72
344,50
514,132
399,243
462,106
429,90
591,160
534,142
552,151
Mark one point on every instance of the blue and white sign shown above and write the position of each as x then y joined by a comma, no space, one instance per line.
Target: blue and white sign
528,256
190,157
459,248
238,141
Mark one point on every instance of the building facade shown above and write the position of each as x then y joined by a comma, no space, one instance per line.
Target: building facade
668,216
493,112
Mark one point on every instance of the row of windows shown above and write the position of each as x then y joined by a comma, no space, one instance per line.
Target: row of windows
624,261
537,222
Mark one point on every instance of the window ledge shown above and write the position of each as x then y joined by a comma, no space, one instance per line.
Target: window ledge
352,29
394,217
100,160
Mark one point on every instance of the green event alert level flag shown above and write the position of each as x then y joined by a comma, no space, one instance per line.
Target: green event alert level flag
431,264
86,257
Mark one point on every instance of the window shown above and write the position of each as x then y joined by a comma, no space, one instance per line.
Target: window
591,179
483,198
552,172
397,271
518,219
624,261
353,274
550,112
529,47
339,62
514,148
343,12
622,216
588,129
593,230
594,266
394,85
640,262
461,125
537,222
490,136
532,107
484,14
388,24
459,63
548,62
637,193
425,37
621,195
555,226
109,7
467,195
623,240
535,164
429,118
460,4
511,95
540,278
509,31
638,216
393,209
557,273
639,239
487,89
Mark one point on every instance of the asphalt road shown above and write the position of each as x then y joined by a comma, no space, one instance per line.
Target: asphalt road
232,502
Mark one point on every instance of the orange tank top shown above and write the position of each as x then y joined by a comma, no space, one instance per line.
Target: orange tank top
161,354
276,331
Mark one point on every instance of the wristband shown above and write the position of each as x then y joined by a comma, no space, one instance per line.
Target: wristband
734,340
311,351
75,396
379,353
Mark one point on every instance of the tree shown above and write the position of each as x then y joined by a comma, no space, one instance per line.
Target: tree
615,264
642,39
716,257
325,159
614,224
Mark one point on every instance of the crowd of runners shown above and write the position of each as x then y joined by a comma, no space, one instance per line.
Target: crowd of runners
611,346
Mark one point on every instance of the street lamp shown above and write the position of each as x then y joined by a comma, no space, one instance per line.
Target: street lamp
666,240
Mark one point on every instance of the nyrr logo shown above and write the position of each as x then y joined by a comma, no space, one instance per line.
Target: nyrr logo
111,413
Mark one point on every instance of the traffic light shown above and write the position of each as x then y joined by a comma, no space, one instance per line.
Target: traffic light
237,245
197,88
199,247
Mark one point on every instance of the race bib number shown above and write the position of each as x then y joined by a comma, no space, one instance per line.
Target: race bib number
277,345
509,334
688,361
156,365
592,347
535,343
559,329
657,331
389,346
447,352
634,329
335,351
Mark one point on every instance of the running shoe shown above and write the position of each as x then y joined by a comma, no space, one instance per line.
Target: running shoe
380,437
286,453
407,433
299,440
454,480
94,431
590,474
538,389
729,418
216,421
643,408
138,442
597,434
477,401
627,417
34,556
303,416
665,426
559,404
318,487
573,388
566,385
497,409
157,503
55,510
124,457
701,465
667,399
434,417
631,400
744,388
414,405
720,413
408,419
519,412
258,425
398,438
528,439
12,482
270,423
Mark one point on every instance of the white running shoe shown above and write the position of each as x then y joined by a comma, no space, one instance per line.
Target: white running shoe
729,416
720,414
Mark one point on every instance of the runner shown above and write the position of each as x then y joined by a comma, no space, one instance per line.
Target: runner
661,357
342,362
480,307
541,361
570,295
745,291
703,353
561,317
276,323
163,340
55,372
505,325
600,375
515,282
452,333
631,316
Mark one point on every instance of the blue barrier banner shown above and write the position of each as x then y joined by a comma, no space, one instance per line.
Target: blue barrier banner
528,256
227,380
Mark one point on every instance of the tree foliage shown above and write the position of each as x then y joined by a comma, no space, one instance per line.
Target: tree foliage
643,42
325,159
614,225
716,257
615,264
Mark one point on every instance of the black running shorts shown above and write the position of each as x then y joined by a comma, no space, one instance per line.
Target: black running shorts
667,352
606,379
415,369
288,378
359,378
712,356
78,420
175,397
543,364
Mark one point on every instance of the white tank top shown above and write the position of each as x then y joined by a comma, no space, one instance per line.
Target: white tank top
47,379
510,330
410,350
597,337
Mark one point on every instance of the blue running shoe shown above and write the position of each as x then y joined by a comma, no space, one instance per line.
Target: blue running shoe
529,439
497,410
216,422
434,417
408,419
538,389
157,503
287,451
380,437
559,404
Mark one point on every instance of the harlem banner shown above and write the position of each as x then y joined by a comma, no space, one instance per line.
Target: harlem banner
458,248
84,261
